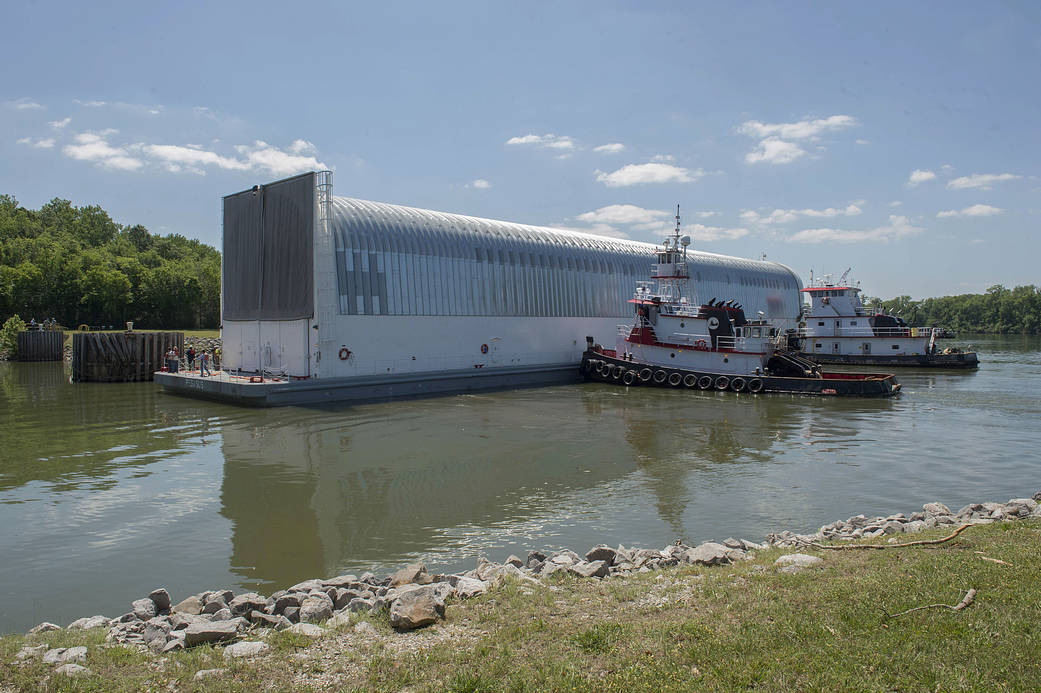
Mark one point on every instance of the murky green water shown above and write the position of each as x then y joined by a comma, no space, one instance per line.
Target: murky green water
109,491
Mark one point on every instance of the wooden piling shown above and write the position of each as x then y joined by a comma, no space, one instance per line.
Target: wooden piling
110,357
41,345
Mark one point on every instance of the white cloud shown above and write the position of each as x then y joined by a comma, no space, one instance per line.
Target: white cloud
783,216
700,232
94,147
59,124
775,145
919,176
663,158
623,214
261,156
983,181
25,104
612,148
898,227
773,150
550,141
973,211
863,141
801,130
481,184
302,147
41,143
177,158
707,215
655,172
91,104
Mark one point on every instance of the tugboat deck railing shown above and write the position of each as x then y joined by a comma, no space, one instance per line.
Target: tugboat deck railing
868,331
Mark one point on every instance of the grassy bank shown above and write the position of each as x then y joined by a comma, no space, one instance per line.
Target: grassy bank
694,628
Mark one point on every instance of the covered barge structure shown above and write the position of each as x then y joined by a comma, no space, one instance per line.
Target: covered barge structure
329,298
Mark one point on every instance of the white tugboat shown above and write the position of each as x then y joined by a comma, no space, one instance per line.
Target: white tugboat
675,341
837,329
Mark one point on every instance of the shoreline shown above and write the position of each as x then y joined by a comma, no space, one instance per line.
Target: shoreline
157,622
782,615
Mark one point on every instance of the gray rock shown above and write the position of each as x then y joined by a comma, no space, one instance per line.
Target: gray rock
191,605
155,633
144,609
28,651
550,568
969,509
487,571
602,553
89,622
62,655
415,573
315,609
204,674
342,597
535,557
245,603
367,629
161,599
892,527
308,629
565,558
292,613
359,605
307,586
287,600
259,618
345,581
181,621
246,649
709,553
514,561
73,670
218,631
732,543
213,605
222,615
173,645
466,587
416,608
590,569
339,619
44,627
795,562
914,526
917,516
1020,507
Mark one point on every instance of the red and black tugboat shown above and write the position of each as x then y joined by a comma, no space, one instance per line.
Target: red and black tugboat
677,342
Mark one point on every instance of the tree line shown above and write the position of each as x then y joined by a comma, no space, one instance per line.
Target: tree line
78,266
998,311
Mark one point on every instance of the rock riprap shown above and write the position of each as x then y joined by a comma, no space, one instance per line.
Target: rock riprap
413,598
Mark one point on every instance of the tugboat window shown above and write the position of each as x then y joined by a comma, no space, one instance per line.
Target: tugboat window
896,346
820,324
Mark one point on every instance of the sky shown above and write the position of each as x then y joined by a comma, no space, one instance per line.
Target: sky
899,139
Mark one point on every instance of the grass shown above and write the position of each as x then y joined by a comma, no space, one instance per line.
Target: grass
727,628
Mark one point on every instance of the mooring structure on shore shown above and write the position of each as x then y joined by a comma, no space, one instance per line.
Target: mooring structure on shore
112,357
41,345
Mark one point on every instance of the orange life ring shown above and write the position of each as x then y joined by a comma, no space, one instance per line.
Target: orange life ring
484,348
701,344
345,354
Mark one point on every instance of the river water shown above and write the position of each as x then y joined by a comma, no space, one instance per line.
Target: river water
108,491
